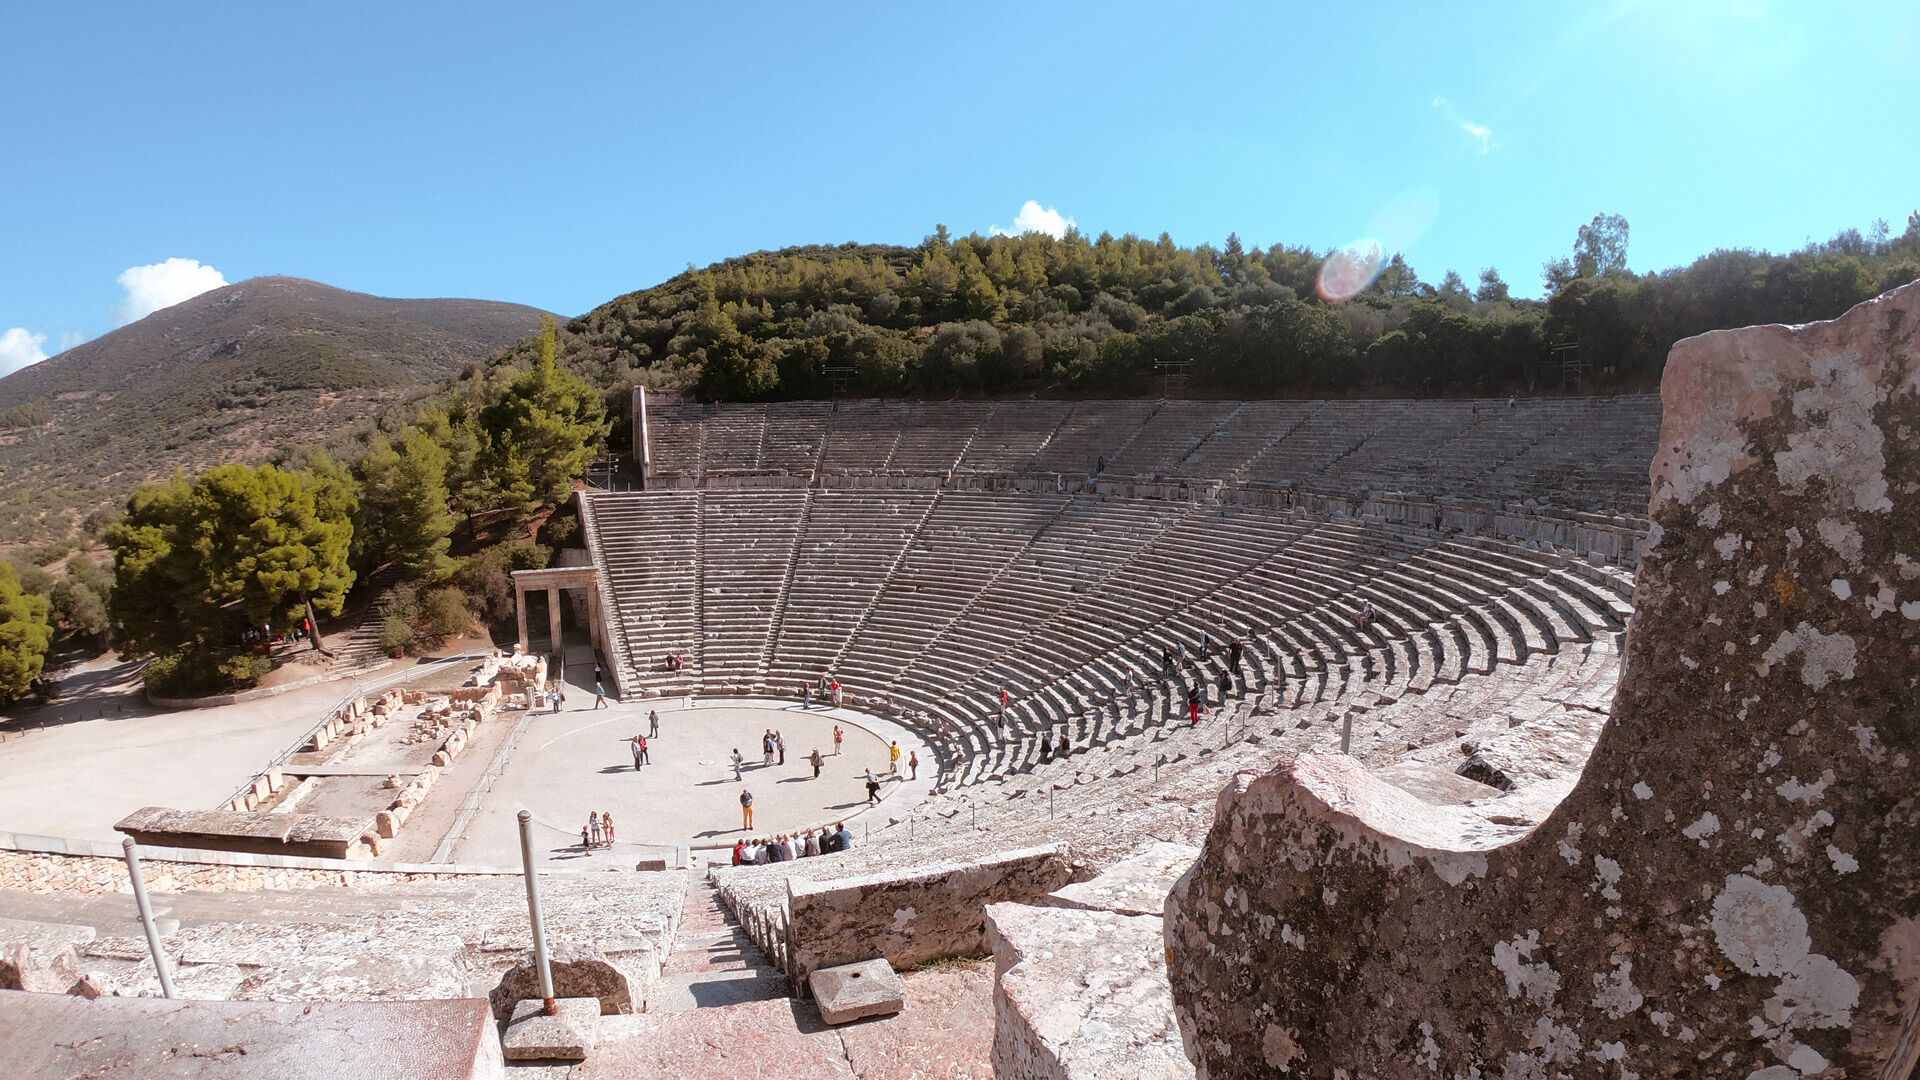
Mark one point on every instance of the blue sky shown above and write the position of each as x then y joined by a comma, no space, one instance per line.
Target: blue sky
564,155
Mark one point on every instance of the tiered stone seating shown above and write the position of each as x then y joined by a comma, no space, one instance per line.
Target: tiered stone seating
1093,430
1159,784
1011,435
926,604
1586,453
748,540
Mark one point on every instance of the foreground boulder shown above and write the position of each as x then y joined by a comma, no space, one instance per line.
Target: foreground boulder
1733,886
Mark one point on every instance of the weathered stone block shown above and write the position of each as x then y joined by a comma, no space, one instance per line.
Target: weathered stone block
1081,995
1136,885
567,1035
579,971
852,992
1732,888
915,916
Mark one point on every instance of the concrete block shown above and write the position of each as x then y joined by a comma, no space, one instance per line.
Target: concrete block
567,1035
855,991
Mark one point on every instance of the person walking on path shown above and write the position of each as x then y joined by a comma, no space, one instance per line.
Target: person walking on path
599,695
873,789
737,762
606,827
555,697
746,811
893,757
653,724
837,736
816,760
593,827
780,743
913,765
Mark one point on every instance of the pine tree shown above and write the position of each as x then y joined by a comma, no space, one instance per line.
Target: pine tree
25,636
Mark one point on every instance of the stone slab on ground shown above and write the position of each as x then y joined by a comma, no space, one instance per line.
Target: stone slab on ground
947,1035
1136,885
48,1036
852,992
567,1035
1082,994
760,1040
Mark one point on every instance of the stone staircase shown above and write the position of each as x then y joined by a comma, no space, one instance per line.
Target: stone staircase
360,650
713,963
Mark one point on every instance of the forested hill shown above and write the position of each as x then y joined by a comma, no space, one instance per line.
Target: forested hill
230,375
1030,313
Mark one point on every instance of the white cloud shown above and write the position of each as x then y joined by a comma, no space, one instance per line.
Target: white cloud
1035,218
1480,133
20,347
164,284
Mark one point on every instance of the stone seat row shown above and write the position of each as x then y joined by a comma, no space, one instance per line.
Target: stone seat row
940,608
1483,445
1158,783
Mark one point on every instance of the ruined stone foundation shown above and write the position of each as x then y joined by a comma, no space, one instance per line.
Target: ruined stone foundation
1733,887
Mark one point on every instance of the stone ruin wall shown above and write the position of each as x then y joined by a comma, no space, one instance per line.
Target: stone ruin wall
1733,887
264,818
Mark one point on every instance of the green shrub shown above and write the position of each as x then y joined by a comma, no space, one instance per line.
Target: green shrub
197,674
243,670
444,612
396,633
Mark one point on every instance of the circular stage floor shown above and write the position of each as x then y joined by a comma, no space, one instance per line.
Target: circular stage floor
569,763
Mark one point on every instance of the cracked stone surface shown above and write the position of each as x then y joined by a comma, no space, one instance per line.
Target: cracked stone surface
1136,885
915,916
48,1036
1732,887
1081,994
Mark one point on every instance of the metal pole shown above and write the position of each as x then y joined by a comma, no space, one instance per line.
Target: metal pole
1346,734
646,442
146,917
533,913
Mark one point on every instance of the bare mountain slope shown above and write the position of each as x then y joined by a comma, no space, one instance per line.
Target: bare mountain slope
229,375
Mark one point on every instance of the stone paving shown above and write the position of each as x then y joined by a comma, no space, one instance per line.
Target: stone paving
578,760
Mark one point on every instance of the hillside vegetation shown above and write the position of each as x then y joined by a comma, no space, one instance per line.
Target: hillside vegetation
230,375
1018,314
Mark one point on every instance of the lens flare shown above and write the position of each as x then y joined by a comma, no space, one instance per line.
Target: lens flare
1348,271
1395,227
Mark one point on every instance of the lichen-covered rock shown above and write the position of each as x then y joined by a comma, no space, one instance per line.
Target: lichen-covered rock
579,971
1733,886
